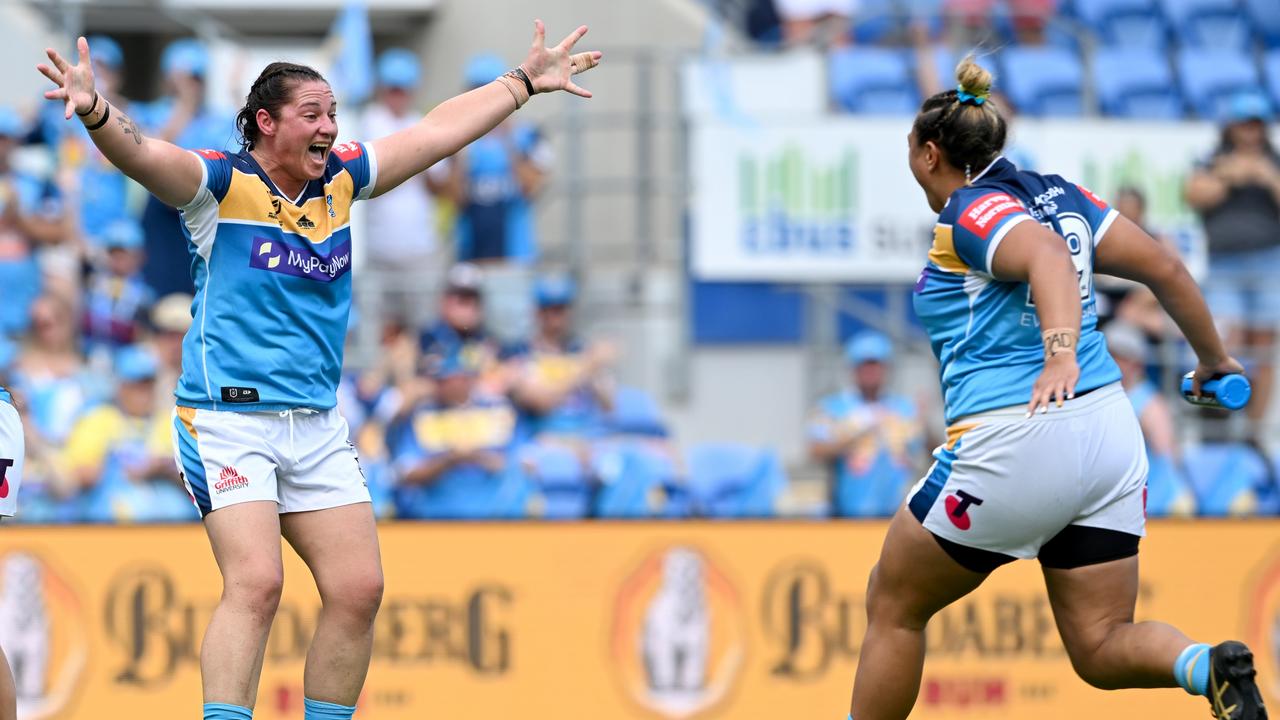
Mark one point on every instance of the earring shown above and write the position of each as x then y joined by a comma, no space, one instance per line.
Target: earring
968,174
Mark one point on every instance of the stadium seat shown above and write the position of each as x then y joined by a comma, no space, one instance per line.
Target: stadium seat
1226,478
560,479
1135,83
1265,15
1211,77
1271,66
1044,80
635,412
1208,23
876,21
730,480
876,81
1125,23
633,479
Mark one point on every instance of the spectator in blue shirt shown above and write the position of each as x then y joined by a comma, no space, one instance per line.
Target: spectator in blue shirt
452,452
493,182
116,300
870,439
460,327
184,118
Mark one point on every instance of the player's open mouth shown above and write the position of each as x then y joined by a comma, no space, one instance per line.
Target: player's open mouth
318,151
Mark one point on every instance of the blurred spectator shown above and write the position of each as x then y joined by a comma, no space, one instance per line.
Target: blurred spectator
401,224
460,328
494,180
970,21
870,439
169,320
452,452
1236,191
1168,492
50,372
31,217
120,454
825,23
116,299
562,388
182,117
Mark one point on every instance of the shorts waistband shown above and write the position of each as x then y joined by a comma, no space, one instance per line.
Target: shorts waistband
1082,403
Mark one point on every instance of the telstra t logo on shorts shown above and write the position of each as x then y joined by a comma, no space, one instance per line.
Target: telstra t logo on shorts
958,508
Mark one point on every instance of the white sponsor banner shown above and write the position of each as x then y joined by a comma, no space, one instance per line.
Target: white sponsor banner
833,200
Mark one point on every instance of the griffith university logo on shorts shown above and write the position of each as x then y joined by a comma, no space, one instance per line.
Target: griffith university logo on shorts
678,637
230,479
276,255
1262,626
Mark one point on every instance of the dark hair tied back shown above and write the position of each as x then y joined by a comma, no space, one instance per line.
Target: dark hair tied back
272,89
964,122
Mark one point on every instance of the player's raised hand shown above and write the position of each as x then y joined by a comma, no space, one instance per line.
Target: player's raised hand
75,82
553,68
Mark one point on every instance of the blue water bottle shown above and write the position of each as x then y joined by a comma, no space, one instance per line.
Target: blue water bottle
1230,391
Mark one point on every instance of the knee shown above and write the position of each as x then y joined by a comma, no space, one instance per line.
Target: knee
1088,659
888,608
254,587
358,596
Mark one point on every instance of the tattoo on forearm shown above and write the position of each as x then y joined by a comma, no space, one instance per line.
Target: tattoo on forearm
130,128
1061,341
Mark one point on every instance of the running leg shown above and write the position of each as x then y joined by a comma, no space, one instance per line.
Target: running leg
8,693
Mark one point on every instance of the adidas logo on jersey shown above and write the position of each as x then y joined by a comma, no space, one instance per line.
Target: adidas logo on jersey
305,223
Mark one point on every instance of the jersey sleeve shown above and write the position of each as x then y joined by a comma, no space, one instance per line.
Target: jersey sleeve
359,160
217,173
1096,212
980,223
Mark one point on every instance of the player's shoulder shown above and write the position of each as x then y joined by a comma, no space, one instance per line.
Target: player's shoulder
970,204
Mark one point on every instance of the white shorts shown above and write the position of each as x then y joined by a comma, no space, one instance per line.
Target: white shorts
1010,486
301,460
12,452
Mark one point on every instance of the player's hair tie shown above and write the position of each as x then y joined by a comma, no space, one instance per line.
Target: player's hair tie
968,98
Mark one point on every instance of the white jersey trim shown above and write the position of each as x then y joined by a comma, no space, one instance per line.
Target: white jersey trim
999,237
366,192
200,216
1105,225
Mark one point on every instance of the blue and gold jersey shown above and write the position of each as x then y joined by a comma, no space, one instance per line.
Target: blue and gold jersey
273,283
985,332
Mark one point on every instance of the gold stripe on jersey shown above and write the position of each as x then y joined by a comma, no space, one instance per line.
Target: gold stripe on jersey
249,199
943,253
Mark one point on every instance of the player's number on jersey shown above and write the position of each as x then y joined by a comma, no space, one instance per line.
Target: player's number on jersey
1079,236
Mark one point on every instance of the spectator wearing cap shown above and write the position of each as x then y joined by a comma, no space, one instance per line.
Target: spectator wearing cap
870,439
116,300
1236,192
32,219
494,181
452,452
402,245
460,328
120,454
1168,492
185,118
563,387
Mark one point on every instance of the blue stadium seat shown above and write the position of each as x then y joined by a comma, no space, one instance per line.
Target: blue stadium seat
876,21
1208,23
1125,23
730,480
1044,80
1226,478
1271,66
876,81
1265,15
1211,77
560,479
633,479
635,412
1136,83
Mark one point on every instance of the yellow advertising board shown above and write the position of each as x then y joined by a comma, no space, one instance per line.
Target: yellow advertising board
602,621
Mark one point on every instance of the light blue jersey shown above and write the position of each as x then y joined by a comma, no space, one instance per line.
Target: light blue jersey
985,332
273,283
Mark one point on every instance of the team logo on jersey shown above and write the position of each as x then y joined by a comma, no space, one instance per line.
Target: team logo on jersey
328,201
958,509
985,214
304,262
230,479
46,636
275,209
678,638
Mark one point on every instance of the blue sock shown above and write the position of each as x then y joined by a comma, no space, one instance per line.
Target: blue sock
223,711
317,710
1192,669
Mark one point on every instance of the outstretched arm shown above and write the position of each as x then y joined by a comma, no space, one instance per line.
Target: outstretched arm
458,121
167,171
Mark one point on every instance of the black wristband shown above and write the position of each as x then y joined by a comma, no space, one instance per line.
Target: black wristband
92,107
106,113
519,73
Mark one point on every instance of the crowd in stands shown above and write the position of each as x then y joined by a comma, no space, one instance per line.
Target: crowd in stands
455,420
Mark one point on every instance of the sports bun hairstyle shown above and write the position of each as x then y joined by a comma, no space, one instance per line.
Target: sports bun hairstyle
964,122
